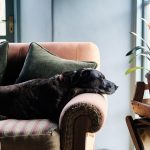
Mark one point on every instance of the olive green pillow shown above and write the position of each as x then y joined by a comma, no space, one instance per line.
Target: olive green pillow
3,58
40,63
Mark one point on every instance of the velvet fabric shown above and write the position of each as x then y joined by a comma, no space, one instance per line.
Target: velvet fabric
78,51
3,58
40,63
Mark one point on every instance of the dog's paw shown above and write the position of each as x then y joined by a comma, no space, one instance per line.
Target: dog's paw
3,117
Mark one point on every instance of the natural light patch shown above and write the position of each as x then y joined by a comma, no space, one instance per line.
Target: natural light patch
146,94
146,30
146,97
2,18
1,40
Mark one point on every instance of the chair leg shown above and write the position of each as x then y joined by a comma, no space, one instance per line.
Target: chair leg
134,133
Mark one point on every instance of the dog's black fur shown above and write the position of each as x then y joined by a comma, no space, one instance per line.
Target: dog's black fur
45,98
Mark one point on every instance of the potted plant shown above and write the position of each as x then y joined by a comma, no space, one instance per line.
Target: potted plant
145,52
138,105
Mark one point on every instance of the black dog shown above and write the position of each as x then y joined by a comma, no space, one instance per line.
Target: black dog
45,98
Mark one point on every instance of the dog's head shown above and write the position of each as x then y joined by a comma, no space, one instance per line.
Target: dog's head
89,78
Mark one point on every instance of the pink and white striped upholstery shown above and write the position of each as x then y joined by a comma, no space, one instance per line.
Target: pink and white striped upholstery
12,127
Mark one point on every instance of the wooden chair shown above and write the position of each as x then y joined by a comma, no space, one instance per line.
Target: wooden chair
141,107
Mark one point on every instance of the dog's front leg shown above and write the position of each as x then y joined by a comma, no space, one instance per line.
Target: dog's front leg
3,117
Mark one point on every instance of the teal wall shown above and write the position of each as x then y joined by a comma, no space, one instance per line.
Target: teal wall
35,18
107,23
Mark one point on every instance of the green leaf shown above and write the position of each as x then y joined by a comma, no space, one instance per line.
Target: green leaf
145,55
131,70
135,49
133,33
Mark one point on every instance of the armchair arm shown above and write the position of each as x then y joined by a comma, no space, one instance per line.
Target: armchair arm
84,113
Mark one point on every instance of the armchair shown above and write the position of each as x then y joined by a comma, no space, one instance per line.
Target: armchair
80,119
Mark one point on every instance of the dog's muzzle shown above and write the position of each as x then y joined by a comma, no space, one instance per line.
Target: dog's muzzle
111,88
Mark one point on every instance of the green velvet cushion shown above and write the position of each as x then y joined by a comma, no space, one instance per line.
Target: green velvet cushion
3,58
40,63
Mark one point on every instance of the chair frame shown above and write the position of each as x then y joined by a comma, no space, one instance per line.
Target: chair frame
134,125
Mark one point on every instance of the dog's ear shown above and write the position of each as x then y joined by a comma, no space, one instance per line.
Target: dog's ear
81,78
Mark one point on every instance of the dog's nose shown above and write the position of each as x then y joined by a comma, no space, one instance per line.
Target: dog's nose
116,87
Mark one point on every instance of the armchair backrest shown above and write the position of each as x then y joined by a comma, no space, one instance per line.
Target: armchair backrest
82,51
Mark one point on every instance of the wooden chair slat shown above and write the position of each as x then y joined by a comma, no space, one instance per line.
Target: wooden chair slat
134,133
136,125
139,91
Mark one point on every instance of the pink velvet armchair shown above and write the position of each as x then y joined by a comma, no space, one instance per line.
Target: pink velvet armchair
80,119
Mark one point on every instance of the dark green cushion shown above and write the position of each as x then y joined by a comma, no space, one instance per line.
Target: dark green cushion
40,63
3,58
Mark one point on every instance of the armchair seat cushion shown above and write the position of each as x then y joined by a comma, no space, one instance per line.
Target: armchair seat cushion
38,134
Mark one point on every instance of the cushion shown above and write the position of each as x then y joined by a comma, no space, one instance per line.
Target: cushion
3,58
12,127
38,134
40,63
